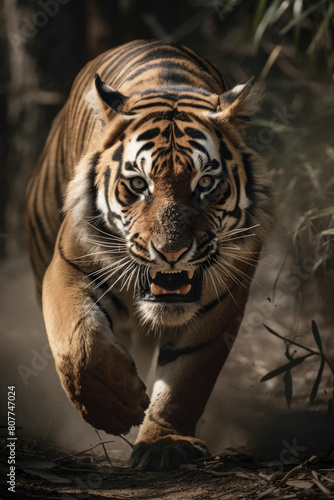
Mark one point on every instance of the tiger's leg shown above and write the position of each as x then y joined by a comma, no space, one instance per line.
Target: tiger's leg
188,367
96,371
143,350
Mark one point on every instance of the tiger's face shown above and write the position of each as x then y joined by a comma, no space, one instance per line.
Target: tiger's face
175,185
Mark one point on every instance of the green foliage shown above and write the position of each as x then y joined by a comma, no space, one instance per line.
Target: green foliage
286,368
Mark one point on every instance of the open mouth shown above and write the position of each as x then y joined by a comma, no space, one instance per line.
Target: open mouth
172,286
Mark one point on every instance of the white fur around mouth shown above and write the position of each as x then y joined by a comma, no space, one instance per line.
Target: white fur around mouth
159,290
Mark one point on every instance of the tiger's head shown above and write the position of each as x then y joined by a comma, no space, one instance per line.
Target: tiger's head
177,194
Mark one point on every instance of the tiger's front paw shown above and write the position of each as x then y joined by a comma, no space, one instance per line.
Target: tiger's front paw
105,389
167,453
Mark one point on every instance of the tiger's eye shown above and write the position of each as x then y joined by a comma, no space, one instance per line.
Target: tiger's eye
205,182
138,184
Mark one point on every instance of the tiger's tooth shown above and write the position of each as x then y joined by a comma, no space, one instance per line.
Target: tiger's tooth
171,271
191,274
153,274
159,290
184,289
156,290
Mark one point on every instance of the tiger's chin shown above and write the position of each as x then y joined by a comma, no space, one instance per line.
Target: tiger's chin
164,314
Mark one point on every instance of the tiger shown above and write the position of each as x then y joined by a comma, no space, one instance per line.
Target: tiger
146,215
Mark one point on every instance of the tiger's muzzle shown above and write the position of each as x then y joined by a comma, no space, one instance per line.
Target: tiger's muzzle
173,284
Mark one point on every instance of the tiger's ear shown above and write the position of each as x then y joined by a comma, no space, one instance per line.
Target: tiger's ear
104,98
239,103
108,95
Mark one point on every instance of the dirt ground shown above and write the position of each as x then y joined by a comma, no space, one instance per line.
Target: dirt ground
58,475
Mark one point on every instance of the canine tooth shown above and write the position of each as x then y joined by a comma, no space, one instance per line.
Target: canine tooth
191,274
153,274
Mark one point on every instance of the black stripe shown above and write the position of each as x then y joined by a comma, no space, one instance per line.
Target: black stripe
226,195
149,134
201,148
106,187
145,147
236,212
225,153
112,216
85,121
44,188
48,245
144,120
160,66
63,256
38,251
215,302
118,156
120,202
249,174
119,58
167,354
58,191
194,133
121,62
152,105
197,106
129,167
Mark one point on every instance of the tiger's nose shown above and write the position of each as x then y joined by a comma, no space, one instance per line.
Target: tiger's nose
173,256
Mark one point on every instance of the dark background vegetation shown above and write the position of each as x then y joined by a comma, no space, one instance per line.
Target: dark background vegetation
287,45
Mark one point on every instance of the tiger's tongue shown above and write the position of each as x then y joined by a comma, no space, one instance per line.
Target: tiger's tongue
159,290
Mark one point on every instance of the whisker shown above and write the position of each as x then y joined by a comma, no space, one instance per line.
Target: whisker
250,262
223,238
131,274
106,242
241,229
245,260
136,282
114,265
233,246
213,283
105,272
113,236
229,272
93,254
234,268
248,279
107,275
129,279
